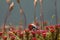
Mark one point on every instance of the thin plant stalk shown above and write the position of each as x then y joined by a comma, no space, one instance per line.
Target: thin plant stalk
35,3
41,14
56,12
5,20
25,24
51,20
7,15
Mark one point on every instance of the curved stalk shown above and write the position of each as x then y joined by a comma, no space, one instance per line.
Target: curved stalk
7,15
5,20
25,24
41,14
35,3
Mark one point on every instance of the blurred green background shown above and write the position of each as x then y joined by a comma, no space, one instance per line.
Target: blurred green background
27,5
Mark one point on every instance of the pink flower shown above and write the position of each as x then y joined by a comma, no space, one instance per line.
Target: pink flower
44,35
12,28
1,33
10,33
4,37
21,35
33,32
43,31
47,27
57,26
18,31
52,30
38,32
51,27
27,30
34,38
12,37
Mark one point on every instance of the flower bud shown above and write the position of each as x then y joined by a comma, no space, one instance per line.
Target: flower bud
34,38
18,1
11,6
35,2
8,1
44,35
1,33
4,37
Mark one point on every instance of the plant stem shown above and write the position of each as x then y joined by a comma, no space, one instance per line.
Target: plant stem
41,15
57,34
5,20
25,24
56,11
34,13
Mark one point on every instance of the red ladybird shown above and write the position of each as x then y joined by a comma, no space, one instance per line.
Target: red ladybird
30,27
